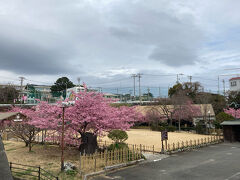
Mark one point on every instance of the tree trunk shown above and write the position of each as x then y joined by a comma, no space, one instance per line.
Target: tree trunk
179,125
26,144
30,147
88,143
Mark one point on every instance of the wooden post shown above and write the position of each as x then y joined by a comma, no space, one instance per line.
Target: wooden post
80,163
106,158
162,147
141,148
11,166
166,145
95,162
153,150
39,173
132,155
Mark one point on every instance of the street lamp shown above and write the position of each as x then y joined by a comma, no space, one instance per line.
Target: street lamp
64,105
209,114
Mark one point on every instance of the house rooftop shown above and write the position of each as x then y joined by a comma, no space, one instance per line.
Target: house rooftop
7,115
235,78
229,123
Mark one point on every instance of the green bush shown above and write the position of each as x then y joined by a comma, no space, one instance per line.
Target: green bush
188,128
200,128
222,116
117,146
171,128
118,136
162,128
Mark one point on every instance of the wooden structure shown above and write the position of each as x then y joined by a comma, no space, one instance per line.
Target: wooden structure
231,130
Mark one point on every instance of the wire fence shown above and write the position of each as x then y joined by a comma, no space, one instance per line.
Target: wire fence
26,171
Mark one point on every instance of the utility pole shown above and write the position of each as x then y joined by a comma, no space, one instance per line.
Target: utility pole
178,77
223,87
139,86
21,80
134,85
190,79
79,79
148,93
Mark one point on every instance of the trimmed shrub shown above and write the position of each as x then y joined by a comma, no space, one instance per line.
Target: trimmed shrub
117,146
171,128
118,136
200,128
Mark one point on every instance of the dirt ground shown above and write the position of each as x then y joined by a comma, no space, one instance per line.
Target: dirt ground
150,138
46,156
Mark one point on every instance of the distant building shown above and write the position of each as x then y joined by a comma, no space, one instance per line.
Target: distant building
234,84
207,114
112,96
74,90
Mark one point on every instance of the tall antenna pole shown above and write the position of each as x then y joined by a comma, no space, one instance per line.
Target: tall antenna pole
79,79
223,87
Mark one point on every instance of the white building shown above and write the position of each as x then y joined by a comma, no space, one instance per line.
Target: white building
75,90
234,84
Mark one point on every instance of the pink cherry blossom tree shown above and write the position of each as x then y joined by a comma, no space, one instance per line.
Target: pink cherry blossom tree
91,116
186,111
233,112
24,129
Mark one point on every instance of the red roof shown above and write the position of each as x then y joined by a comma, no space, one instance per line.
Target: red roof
236,78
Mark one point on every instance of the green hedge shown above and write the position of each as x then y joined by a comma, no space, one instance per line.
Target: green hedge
162,128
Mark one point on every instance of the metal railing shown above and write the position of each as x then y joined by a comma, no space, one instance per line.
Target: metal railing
20,170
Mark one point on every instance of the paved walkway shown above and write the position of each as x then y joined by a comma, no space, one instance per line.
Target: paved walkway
216,162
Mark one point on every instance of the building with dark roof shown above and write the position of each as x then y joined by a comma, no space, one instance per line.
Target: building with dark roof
231,130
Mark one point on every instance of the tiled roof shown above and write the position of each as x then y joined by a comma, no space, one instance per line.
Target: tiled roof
6,115
236,78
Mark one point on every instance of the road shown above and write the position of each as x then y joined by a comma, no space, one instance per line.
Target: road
216,162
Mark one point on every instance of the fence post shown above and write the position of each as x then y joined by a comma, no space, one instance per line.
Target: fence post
10,166
153,150
95,162
80,163
141,148
39,173
106,157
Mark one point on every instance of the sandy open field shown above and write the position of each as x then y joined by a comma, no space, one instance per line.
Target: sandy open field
150,138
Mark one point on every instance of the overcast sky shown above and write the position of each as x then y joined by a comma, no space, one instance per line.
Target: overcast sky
105,41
